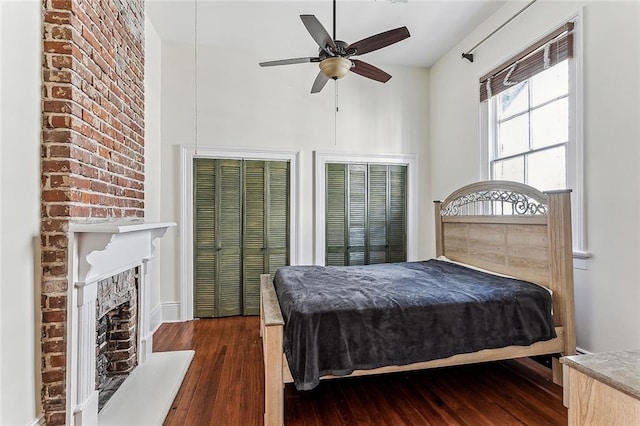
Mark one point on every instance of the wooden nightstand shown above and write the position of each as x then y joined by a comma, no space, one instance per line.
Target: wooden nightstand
603,388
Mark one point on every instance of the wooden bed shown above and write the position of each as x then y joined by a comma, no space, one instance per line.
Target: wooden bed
505,227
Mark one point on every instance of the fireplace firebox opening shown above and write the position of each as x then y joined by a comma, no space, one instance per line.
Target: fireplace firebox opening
116,332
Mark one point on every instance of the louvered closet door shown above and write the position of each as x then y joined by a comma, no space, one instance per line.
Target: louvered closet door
217,237
378,209
230,241
357,214
397,218
277,215
204,237
254,234
336,210
346,216
241,230
266,225
365,214
387,221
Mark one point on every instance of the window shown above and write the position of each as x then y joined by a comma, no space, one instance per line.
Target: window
530,125
530,113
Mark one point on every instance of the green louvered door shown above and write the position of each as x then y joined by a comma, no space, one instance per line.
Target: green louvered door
365,214
255,240
205,259
217,237
336,211
230,241
266,225
241,228
397,217
378,208
357,214
387,213
277,251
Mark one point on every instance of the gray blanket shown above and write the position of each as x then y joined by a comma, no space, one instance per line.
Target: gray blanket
340,319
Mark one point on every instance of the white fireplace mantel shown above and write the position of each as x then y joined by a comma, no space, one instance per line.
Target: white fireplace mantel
107,248
97,251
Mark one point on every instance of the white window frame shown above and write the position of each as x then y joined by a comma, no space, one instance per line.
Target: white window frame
575,149
187,154
324,157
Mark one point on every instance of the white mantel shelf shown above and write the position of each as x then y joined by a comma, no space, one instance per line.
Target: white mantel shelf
103,249
117,227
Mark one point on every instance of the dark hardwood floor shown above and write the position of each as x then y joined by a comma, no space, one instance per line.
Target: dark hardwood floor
224,386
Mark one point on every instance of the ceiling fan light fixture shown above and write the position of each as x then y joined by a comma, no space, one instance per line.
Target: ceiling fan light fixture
335,67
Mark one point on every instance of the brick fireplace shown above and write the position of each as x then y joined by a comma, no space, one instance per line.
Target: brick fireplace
92,162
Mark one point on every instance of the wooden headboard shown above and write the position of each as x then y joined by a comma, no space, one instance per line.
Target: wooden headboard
513,229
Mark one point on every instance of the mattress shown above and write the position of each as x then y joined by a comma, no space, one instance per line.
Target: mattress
344,318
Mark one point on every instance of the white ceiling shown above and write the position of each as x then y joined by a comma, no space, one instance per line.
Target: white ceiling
272,30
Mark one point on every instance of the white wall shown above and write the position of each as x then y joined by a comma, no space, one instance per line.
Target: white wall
1,205
152,137
608,293
243,105
20,82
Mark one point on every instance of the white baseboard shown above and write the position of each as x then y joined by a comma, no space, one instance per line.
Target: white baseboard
171,312
155,318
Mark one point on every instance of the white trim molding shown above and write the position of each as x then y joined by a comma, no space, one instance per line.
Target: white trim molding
187,155
409,160
170,312
576,130
155,318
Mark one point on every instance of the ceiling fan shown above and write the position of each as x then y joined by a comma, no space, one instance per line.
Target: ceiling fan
334,56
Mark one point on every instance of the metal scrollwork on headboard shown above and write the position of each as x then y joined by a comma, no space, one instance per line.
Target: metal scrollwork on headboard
493,199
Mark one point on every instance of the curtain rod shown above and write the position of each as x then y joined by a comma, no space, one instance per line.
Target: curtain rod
469,56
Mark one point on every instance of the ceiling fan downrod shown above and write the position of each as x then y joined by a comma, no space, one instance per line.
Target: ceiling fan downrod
334,19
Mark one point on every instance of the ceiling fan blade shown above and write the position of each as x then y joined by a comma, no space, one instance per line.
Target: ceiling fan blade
319,83
378,41
318,32
367,70
288,61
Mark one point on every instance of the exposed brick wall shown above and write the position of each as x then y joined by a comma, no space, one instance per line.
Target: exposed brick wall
92,148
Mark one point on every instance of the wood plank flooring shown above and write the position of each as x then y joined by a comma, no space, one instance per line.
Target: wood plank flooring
224,386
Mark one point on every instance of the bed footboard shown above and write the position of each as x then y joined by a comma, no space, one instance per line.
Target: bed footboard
271,328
